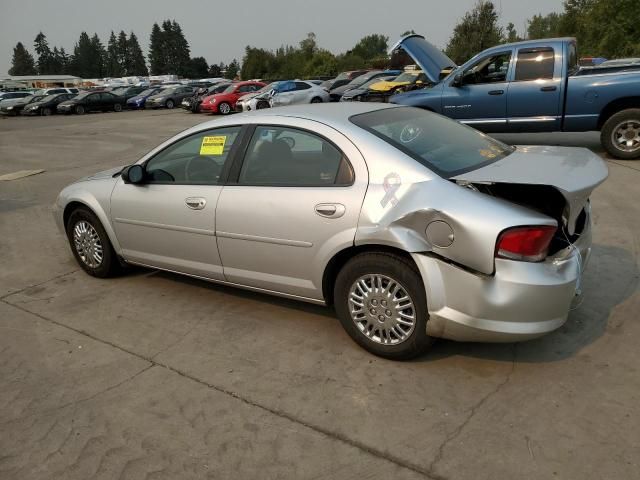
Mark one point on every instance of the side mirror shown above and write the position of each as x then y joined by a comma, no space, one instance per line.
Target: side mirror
457,80
133,174
272,92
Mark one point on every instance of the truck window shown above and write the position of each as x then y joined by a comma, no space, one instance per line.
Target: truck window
572,59
492,69
534,64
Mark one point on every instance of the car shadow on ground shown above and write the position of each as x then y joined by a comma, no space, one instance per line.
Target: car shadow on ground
611,278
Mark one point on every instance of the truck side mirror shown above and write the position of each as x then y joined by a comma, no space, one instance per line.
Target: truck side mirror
457,80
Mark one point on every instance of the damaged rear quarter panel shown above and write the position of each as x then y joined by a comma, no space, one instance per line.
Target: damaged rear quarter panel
419,197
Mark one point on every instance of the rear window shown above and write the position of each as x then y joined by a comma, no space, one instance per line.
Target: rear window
444,146
534,64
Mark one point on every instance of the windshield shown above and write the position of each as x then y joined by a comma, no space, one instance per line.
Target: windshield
342,76
148,92
362,79
407,77
439,143
166,91
229,89
378,79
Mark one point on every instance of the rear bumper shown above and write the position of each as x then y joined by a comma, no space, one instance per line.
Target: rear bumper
520,301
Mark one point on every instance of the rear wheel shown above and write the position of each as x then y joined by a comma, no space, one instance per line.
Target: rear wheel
381,302
90,244
80,110
169,104
620,135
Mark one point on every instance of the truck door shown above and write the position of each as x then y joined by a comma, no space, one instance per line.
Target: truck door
534,98
478,97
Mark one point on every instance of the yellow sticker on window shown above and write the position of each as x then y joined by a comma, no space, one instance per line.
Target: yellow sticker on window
213,145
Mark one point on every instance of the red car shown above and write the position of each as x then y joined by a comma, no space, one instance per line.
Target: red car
225,102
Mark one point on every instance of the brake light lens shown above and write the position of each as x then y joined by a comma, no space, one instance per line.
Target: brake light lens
525,244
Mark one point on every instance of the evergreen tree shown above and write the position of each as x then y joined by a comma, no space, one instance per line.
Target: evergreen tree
198,68
512,34
477,31
179,49
157,58
22,62
45,56
122,47
98,53
137,65
112,62
232,70
215,71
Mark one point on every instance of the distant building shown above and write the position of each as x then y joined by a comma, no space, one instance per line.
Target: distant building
43,81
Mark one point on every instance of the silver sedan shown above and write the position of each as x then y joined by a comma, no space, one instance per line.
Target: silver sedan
411,225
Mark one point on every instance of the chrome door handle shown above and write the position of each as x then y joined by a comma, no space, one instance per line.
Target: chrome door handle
330,210
551,88
195,203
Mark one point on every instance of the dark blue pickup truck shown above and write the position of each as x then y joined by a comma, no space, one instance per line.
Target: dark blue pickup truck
531,86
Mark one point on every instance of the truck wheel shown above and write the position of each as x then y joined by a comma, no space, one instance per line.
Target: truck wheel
620,135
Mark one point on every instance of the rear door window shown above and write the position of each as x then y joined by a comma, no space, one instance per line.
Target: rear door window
535,64
283,156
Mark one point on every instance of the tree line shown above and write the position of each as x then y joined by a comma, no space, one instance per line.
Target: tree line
603,28
607,28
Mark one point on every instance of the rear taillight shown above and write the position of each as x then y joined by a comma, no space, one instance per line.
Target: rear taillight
526,244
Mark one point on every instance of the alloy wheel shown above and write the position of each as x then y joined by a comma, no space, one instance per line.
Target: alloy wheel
626,136
87,244
382,309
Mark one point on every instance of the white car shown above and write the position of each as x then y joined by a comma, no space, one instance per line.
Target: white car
56,90
293,92
244,103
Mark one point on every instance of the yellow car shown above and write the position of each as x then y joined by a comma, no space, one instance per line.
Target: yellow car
409,77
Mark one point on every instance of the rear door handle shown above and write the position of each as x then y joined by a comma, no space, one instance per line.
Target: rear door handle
330,210
195,203
496,92
551,88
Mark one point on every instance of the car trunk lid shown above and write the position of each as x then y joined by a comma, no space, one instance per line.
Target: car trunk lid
428,57
574,172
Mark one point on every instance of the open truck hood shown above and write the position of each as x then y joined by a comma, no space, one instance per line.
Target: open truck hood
428,57
574,172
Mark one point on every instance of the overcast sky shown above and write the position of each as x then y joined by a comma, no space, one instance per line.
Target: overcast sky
220,34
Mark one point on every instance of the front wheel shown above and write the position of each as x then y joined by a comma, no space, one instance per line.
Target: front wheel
79,109
262,104
620,135
169,104
316,100
117,107
224,108
90,244
45,112
381,302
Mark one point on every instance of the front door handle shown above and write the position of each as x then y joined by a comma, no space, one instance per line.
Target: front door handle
496,92
551,88
330,210
195,203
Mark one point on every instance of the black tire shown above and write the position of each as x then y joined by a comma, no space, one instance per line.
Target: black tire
117,107
407,275
316,100
224,108
45,112
169,104
80,110
109,265
262,105
630,116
